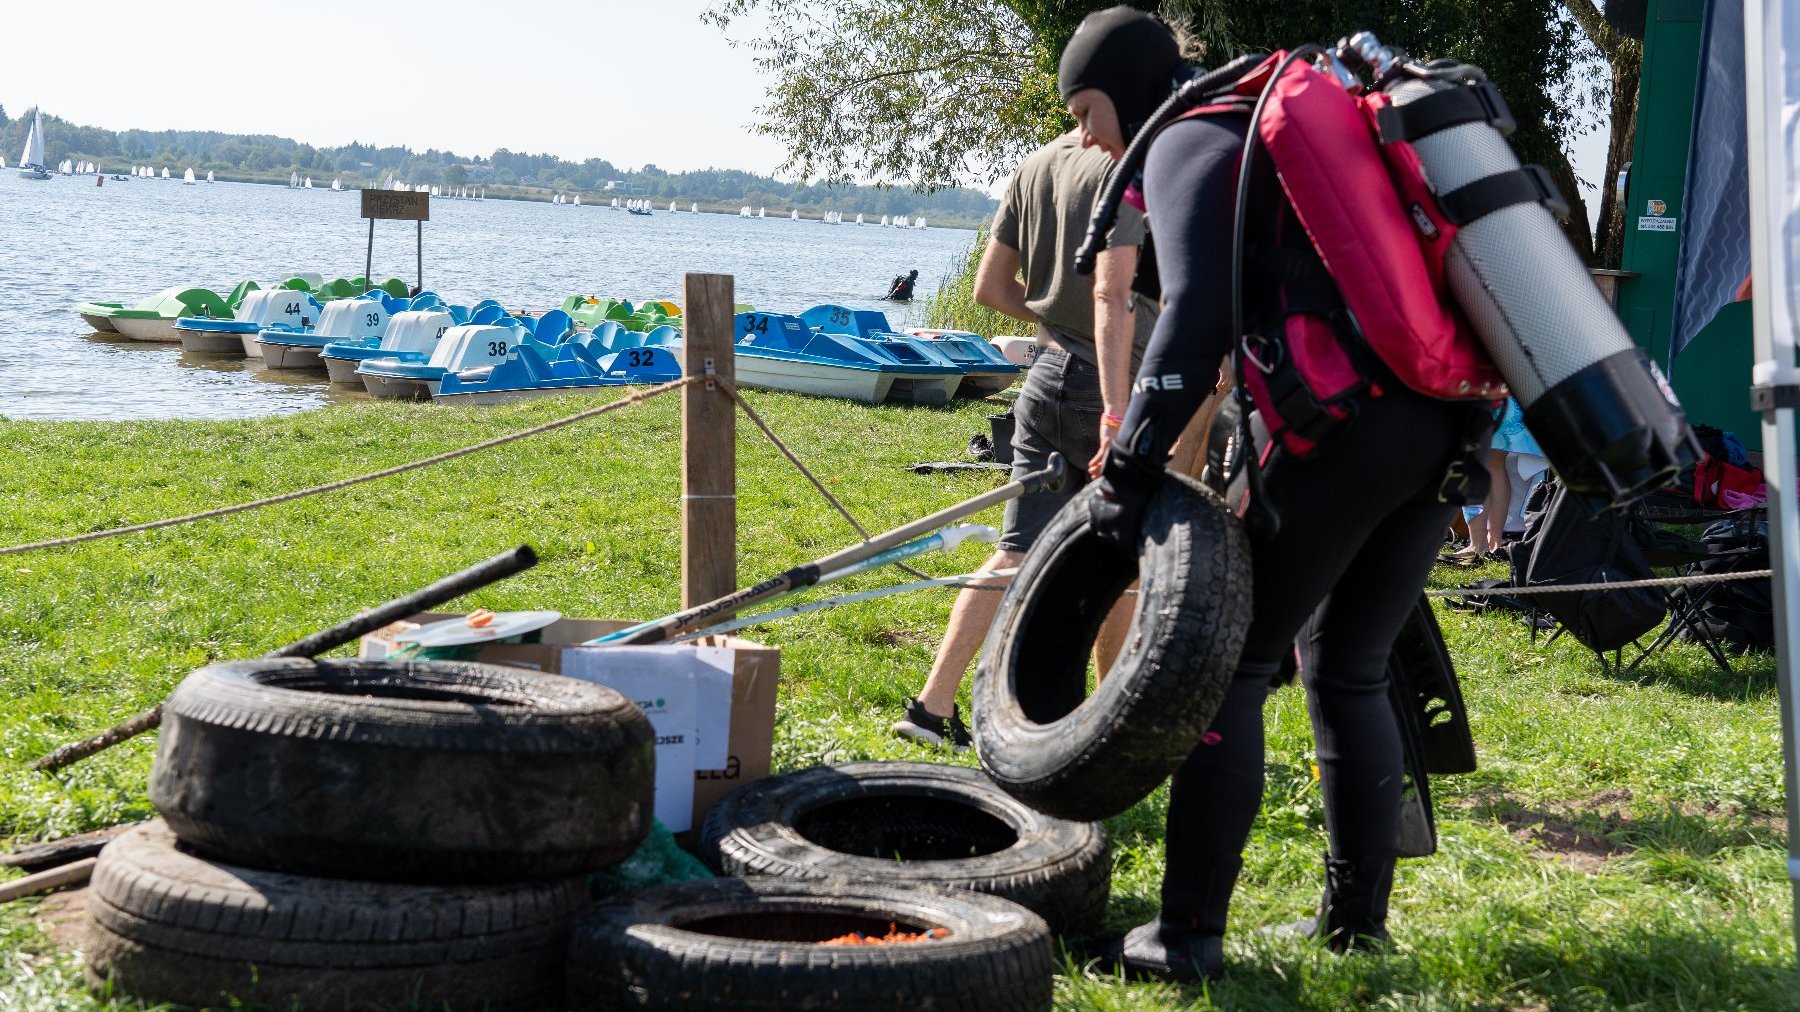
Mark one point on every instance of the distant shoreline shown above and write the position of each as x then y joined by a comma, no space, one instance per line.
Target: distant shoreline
545,195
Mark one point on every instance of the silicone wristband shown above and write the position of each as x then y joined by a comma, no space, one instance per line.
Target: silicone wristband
1111,421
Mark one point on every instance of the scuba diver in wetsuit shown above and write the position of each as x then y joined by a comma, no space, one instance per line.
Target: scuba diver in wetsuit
902,288
1360,519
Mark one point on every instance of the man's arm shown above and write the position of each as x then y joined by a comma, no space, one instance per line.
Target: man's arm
997,284
1115,326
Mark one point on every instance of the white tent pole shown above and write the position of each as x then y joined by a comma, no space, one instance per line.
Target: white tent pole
1771,48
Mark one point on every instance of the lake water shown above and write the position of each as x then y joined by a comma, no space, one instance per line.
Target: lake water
66,241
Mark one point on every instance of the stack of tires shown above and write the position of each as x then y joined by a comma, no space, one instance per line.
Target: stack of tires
342,834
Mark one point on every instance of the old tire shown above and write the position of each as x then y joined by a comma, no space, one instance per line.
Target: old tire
167,926
403,771
913,822
752,945
1091,758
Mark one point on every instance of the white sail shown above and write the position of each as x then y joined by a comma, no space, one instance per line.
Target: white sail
34,143
187,178
308,182
795,216
209,177
859,219
165,174
693,208
578,200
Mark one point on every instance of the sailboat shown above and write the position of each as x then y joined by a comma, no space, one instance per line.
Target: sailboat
693,208
795,216
308,185
578,200
859,219
337,185
165,174
31,163
187,178
761,212
209,177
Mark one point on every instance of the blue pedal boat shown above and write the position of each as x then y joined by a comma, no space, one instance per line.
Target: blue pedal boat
986,369
412,335
342,319
271,307
935,377
779,352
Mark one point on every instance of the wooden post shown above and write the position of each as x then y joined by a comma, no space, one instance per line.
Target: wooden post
369,258
708,442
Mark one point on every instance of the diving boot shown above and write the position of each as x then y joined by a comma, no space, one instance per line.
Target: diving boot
1186,939
1353,910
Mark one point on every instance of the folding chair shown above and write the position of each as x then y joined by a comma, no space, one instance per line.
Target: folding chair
1734,541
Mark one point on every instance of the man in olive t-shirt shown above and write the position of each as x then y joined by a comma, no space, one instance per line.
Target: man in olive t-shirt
1082,373
1044,215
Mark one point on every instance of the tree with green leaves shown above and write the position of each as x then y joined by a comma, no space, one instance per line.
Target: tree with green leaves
930,93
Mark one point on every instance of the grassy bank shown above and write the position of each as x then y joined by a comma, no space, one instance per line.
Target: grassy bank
1620,847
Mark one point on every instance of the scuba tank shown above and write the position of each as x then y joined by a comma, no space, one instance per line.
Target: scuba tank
1603,413
1513,291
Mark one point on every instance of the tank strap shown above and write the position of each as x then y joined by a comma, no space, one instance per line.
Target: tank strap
1528,184
1443,109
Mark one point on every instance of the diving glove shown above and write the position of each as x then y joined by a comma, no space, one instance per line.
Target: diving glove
1125,486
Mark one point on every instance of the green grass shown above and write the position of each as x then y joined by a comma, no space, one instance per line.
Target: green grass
1620,847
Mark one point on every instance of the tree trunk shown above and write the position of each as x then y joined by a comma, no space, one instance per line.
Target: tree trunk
1609,235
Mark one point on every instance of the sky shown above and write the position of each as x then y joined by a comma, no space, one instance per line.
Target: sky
634,82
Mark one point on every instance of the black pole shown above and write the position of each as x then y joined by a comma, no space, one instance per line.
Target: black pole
420,271
369,258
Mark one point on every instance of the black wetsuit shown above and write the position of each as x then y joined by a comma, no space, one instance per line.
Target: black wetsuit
1360,525
902,289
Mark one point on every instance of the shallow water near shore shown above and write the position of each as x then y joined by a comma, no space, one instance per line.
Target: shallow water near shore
66,241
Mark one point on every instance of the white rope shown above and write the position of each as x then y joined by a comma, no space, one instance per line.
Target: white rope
637,397
1576,588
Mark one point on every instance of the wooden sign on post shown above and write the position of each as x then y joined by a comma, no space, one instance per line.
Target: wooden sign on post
396,205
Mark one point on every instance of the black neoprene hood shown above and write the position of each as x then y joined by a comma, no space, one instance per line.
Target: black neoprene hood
1130,55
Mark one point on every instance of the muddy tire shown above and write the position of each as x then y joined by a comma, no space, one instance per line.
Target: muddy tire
752,945
167,926
1037,732
403,771
913,822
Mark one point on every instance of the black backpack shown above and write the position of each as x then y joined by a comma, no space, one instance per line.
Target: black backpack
1576,540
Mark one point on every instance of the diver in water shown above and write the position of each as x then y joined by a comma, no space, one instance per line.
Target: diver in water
902,288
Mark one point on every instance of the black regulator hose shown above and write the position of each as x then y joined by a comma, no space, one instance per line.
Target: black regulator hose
1186,97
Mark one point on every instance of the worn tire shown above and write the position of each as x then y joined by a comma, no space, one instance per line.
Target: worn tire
1094,757
759,952
403,771
167,926
913,822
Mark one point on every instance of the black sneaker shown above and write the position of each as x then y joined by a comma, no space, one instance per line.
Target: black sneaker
922,725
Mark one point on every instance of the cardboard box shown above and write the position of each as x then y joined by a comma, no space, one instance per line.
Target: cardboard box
754,671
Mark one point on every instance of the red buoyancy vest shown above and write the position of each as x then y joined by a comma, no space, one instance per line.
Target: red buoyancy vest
1350,193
